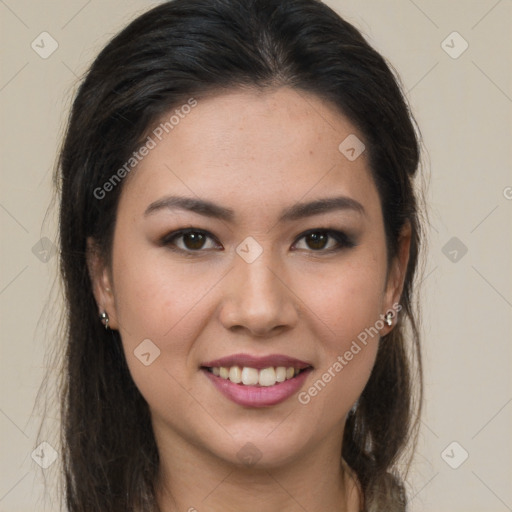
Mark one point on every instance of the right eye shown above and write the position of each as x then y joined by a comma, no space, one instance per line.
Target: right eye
190,240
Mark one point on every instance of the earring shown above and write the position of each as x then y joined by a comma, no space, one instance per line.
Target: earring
104,319
389,318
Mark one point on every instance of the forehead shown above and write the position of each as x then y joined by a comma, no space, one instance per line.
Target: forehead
253,148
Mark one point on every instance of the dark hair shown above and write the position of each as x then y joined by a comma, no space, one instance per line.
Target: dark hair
190,48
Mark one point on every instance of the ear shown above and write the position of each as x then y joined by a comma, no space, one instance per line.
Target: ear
101,282
397,271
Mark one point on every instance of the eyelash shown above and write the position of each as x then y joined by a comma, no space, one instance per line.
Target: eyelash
343,241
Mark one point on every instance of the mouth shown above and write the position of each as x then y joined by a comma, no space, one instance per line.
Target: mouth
248,370
257,381
248,376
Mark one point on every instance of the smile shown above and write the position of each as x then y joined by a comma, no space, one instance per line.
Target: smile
257,395
247,376
257,381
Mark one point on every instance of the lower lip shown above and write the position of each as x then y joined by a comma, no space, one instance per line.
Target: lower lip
258,396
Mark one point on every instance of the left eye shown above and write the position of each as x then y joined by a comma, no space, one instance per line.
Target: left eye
324,240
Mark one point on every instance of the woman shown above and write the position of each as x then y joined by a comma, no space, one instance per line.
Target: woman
239,236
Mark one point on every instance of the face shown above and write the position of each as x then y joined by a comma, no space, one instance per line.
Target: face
247,234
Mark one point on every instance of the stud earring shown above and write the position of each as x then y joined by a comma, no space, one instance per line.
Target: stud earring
104,319
389,318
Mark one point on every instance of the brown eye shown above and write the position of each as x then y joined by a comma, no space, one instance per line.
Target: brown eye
190,240
194,240
326,240
317,240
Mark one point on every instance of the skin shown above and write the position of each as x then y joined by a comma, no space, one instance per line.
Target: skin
257,153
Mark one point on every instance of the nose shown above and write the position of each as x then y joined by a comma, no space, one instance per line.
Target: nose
256,299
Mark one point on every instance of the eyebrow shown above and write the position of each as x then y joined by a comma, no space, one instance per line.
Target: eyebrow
295,212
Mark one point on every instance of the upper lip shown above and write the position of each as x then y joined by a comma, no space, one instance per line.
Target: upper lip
258,362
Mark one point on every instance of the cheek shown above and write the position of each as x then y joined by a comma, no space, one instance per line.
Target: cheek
168,305
347,299
346,303
155,297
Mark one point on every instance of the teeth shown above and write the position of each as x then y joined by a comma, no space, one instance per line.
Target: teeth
280,374
253,377
235,374
267,377
250,376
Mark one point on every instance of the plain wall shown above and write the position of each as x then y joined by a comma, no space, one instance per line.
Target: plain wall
464,108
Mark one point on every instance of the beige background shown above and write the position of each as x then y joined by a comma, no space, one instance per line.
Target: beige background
464,108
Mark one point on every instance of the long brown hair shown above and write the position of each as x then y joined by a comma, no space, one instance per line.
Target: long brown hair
186,48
